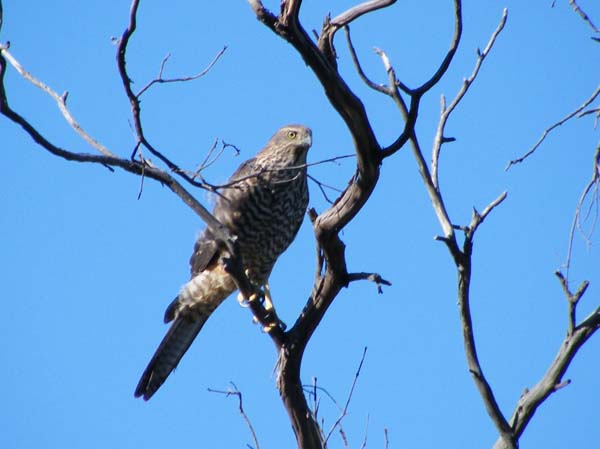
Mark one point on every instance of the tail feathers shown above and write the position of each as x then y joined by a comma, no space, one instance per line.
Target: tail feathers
174,345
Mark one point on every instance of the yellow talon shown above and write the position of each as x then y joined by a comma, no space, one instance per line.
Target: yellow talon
242,301
268,301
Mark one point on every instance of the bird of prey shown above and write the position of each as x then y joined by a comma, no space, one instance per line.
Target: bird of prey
263,206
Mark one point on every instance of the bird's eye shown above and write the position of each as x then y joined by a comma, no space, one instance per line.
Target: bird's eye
292,134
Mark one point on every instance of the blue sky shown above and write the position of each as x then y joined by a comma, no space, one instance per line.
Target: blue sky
87,268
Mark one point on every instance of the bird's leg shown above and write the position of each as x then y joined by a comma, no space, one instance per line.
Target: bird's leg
246,302
270,308
267,303
243,301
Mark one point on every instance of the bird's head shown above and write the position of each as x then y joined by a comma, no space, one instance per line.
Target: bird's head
288,146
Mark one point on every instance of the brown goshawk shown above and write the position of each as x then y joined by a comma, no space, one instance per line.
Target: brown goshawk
263,206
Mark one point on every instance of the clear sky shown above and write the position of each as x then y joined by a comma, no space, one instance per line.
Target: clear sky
87,269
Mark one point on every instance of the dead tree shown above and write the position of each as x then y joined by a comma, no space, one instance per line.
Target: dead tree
332,273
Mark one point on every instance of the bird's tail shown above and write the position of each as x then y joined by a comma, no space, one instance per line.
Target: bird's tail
196,302
173,346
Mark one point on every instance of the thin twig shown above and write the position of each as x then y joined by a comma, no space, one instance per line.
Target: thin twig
322,186
373,277
577,224
292,169
160,80
378,87
447,111
583,15
552,127
478,218
314,388
235,392
364,441
61,101
349,398
437,76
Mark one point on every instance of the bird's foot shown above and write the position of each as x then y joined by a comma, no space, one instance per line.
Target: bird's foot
246,302
273,322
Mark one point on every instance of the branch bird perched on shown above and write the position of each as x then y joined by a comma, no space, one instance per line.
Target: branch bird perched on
263,206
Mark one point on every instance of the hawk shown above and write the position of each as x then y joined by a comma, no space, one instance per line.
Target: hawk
263,206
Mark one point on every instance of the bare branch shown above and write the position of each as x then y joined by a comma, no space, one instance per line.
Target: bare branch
349,398
61,101
478,218
136,167
364,442
409,115
160,80
373,277
437,76
554,126
473,363
445,114
552,379
378,87
322,186
592,186
572,299
583,15
235,392
355,12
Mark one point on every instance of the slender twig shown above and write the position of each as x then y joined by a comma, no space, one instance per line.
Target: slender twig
61,101
583,15
478,218
447,111
235,392
364,441
344,438
552,127
441,71
160,80
378,87
322,186
391,90
576,223
373,277
314,388
349,398
292,169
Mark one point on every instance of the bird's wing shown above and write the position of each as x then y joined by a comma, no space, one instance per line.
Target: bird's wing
206,252
206,249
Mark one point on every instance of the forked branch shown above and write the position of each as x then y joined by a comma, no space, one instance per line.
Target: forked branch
552,381
332,275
